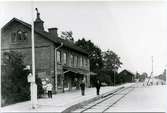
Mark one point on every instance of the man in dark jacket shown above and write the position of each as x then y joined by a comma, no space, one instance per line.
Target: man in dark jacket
98,84
82,85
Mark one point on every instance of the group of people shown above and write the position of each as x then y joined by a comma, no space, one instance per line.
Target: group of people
97,85
82,86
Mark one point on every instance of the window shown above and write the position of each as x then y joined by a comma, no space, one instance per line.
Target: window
75,61
83,60
86,61
81,63
58,57
71,60
19,36
25,35
78,61
64,58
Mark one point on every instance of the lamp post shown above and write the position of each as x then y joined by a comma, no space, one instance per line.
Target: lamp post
33,86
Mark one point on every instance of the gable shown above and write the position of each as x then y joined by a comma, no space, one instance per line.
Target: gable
15,33
14,28
45,35
125,72
14,20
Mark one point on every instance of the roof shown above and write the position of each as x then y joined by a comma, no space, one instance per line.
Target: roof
127,72
49,36
76,70
93,74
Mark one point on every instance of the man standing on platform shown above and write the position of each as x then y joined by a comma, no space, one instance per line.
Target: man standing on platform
98,87
82,85
49,89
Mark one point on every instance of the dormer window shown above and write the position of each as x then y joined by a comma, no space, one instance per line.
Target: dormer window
19,36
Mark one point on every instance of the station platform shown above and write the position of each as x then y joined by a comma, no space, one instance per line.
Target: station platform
62,101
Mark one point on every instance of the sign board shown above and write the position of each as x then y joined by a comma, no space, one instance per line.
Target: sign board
30,78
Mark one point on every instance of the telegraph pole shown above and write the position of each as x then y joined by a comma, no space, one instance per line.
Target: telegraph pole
152,66
152,71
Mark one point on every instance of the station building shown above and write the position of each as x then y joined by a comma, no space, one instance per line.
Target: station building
57,60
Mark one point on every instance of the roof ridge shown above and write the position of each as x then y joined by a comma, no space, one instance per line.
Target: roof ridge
48,36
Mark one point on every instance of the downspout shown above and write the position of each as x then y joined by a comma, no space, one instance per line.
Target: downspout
56,64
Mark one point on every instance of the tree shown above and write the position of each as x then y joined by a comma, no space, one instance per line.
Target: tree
94,53
68,35
111,61
15,87
106,77
104,65
143,76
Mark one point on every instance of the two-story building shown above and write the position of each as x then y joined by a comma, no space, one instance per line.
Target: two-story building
57,60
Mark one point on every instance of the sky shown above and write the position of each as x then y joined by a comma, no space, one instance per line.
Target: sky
134,30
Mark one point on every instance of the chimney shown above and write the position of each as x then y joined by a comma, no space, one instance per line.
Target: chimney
38,23
53,31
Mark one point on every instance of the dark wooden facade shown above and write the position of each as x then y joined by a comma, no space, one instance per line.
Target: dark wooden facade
56,60
127,76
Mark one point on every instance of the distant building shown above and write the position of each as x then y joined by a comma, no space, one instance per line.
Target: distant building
162,76
70,62
127,76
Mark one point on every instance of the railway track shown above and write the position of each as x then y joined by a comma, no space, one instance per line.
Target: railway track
105,103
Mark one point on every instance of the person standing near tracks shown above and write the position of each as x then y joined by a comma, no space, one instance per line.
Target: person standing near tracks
82,86
98,85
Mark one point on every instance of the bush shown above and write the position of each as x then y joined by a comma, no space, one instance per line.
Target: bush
14,85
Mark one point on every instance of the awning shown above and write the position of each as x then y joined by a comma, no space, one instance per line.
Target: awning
76,70
92,73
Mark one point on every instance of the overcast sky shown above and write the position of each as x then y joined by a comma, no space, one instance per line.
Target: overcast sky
134,30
